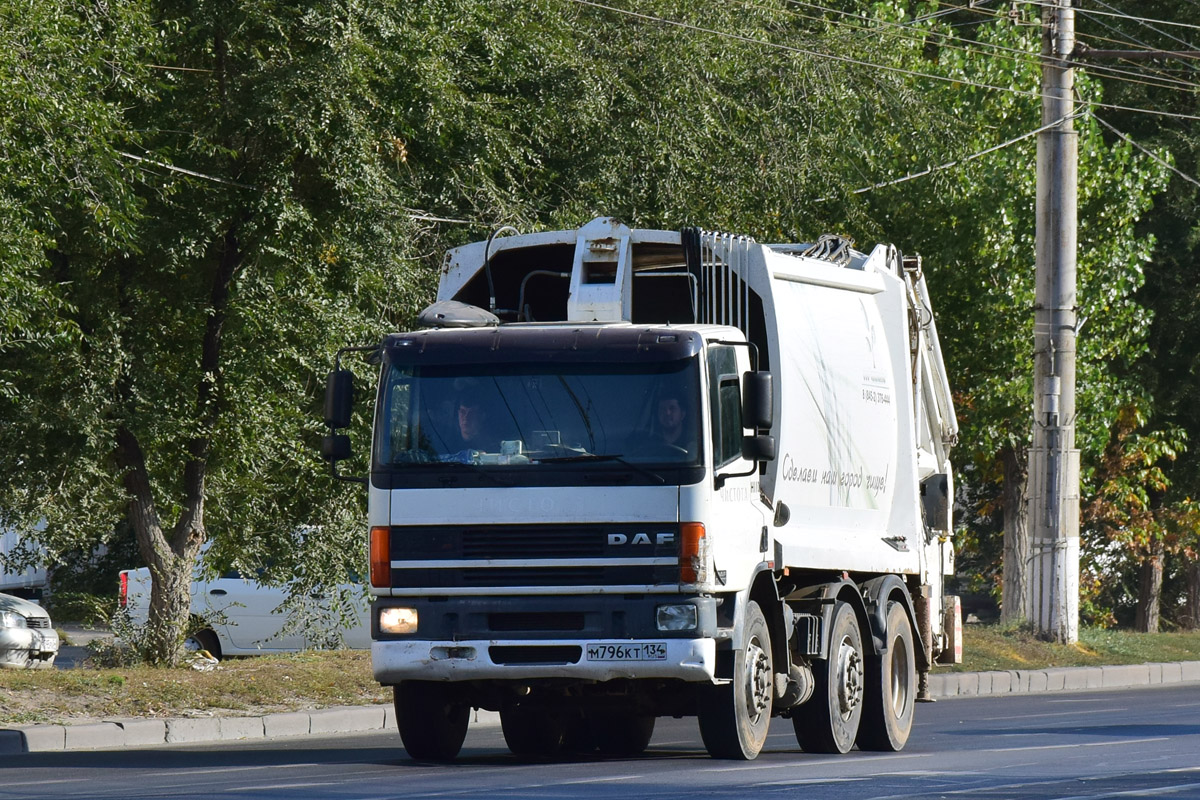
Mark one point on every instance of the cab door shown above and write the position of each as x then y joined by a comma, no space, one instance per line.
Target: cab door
737,513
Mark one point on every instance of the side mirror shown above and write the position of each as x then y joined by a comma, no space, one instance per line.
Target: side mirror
759,447
339,398
336,447
757,400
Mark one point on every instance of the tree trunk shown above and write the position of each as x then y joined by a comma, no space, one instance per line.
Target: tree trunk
1014,597
1191,612
170,572
172,558
1150,589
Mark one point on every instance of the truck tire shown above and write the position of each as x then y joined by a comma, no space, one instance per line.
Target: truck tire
734,717
891,688
829,721
533,731
623,734
432,719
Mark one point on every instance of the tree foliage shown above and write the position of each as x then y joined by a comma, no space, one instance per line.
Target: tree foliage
1169,369
205,200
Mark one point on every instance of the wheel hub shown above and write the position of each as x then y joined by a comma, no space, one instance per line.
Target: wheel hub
899,683
850,678
758,674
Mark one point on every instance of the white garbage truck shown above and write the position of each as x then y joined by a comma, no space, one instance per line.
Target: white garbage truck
620,474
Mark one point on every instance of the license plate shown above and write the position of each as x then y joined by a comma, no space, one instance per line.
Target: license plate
641,651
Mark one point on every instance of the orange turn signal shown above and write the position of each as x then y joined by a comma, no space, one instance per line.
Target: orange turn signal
693,553
381,558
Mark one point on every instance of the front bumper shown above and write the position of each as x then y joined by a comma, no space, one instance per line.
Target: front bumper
482,659
22,648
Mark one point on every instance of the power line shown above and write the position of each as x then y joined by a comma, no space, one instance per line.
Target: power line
1119,14
1148,152
955,162
1173,38
413,214
1159,78
860,62
423,216
182,171
795,49
955,43
1145,45
1125,38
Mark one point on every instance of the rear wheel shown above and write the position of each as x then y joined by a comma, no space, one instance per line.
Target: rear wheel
432,718
891,688
622,734
734,717
829,721
532,731
203,640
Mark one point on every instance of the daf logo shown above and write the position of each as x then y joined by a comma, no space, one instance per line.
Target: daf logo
618,539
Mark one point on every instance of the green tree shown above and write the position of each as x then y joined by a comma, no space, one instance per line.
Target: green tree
1169,369
270,170
57,143
974,224
263,234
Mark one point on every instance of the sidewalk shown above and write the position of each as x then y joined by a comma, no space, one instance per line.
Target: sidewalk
111,733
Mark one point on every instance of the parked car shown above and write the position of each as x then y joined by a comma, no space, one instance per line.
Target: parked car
243,617
27,639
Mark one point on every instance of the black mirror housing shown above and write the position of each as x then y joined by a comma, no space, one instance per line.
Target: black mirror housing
760,447
339,398
336,447
757,400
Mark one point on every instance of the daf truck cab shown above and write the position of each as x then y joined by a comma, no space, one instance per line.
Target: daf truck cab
621,474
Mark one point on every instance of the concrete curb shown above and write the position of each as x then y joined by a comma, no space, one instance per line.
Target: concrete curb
116,733
107,734
1061,679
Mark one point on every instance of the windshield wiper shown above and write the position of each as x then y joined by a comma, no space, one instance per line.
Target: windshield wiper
595,457
475,469
582,457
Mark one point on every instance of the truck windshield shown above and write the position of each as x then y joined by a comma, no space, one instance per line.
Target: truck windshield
547,417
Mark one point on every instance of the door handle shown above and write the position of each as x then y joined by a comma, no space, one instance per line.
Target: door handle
218,592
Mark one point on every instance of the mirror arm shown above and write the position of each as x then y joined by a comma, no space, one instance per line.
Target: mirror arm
345,478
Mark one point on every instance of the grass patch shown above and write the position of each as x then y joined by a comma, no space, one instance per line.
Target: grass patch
244,686
991,647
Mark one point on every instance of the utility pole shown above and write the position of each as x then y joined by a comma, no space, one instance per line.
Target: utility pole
1053,594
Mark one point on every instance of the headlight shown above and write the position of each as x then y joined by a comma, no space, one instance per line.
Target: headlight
675,618
398,620
11,619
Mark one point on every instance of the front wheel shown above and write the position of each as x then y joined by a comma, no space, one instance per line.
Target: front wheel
734,717
829,721
891,688
432,719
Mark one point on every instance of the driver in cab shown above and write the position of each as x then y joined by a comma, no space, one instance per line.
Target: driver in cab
472,424
672,427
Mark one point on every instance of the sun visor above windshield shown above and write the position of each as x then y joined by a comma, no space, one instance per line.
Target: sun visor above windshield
572,343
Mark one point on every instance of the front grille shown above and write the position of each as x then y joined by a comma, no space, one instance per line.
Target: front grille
532,543
37,622
579,546
533,654
534,621
534,576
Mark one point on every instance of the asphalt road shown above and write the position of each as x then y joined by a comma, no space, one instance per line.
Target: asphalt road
1086,746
